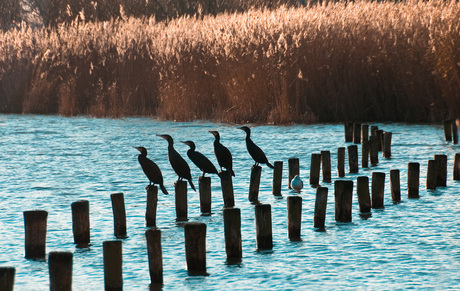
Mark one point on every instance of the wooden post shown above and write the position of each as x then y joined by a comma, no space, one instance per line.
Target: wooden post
294,217
80,223
343,192
319,218
35,234
413,180
454,131
119,215
277,178
155,254
204,184
448,130
341,162
232,230
315,167
353,163
348,131
195,248
374,150
254,183
387,144
365,134
432,174
380,139
181,201
60,268
395,186
374,129
7,278
378,189
326,166
152,203
356,132
456,171
113,276
441,179
365,148
264,226
362,189
293,165
227,189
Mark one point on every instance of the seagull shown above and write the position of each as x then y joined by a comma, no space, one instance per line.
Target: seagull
296,184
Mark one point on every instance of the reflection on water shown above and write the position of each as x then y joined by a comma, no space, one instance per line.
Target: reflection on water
48,162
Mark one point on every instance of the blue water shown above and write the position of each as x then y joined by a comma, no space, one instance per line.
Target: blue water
48,162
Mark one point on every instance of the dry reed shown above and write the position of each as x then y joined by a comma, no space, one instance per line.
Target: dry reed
369,61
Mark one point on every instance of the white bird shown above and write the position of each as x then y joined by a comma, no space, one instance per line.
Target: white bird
296,184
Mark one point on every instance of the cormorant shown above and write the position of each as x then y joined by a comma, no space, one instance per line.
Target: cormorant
296,184
256,153
178,163
202,162
151,170
223,155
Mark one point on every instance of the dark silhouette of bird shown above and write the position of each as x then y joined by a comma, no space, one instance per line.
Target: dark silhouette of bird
223,155
151,170
256,153
200,160
177,162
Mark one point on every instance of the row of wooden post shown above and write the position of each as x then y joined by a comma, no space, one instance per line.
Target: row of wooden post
451,131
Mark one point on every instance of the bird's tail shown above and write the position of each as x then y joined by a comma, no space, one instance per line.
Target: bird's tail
233,173
163,189
191,185
270,165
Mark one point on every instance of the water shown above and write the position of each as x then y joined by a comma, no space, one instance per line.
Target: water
48,162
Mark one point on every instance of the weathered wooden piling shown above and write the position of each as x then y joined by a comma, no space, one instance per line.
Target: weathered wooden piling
181,201
7,278
441,180
341,162
112,255
448,130
374,150
343,192
454,131
155,255
315,167
432,174
264,226
326,166
195,248
294,217
456,170
80,223
119,215
204,185
378,189
380,139
35,222
365,149
293,164
227,189
232,231
60,270
152,203
357,133
353,160
348,126
395,185
254,183
365,134
319,218
277,177
413,180
374,130
387,144
362,190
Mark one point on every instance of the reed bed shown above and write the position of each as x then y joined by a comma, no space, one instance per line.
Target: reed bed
369,61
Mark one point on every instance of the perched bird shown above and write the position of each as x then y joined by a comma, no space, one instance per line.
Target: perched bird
256,153
223,155
177,162
151,170
199,159
296,184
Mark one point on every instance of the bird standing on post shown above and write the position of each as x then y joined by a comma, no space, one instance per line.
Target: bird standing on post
151,170
202,162
223,155
296,184
177,162
256,153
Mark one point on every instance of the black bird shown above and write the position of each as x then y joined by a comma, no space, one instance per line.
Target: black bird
223,155
202,162
256,153
177,162
151,170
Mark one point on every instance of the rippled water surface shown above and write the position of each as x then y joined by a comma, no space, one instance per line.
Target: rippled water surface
48,162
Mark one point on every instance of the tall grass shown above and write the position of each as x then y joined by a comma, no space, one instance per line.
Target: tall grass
364,61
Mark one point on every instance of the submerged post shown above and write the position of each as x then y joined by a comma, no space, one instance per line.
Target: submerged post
113,275
277,178
456,171
395,186
7,278
254,183
341,162
60,269
441,179
119,215
413,180
353,162
227,188
387,144
80,223
264,226
155,255
181,201
293,164
204,185
326,166
315,167
152,202
343,192
195,248
232,230
378,189
348,131
432,174
455,131
448,130
362,189
294,217
365,134
374,150
365,154
356,132
35,234
319,218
